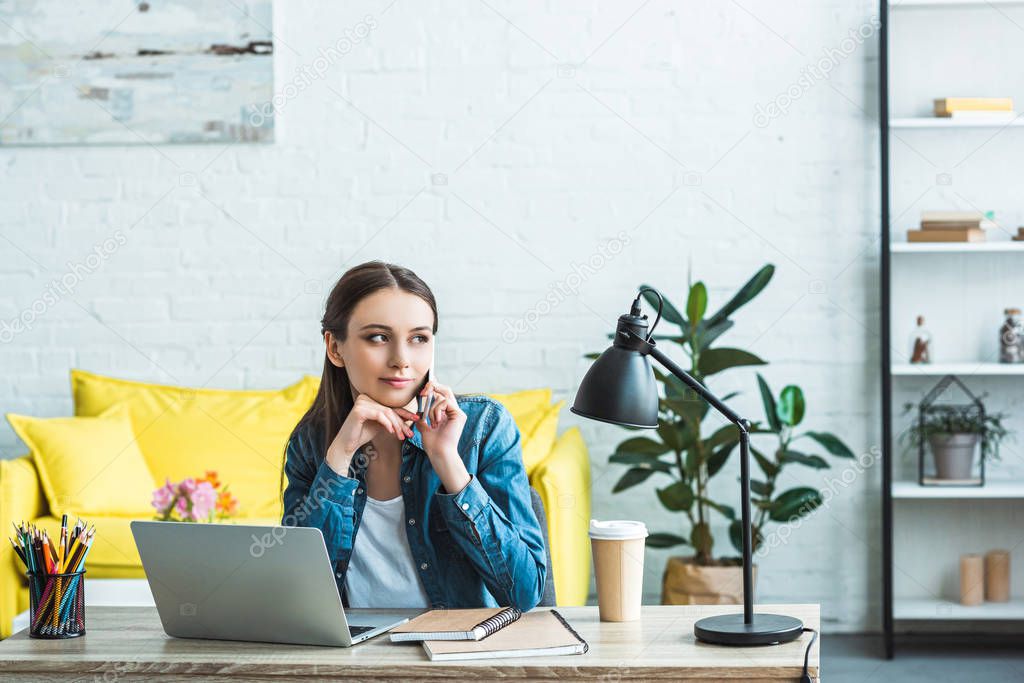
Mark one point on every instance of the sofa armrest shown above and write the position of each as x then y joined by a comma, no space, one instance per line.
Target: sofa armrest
563,481
21,499
21,492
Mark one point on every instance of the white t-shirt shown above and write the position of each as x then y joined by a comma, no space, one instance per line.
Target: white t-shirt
381,570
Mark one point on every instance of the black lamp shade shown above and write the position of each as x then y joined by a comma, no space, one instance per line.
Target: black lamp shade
620,387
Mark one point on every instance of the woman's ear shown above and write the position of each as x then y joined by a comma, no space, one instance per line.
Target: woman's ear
333,353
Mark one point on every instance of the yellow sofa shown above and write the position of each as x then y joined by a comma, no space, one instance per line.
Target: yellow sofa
558,467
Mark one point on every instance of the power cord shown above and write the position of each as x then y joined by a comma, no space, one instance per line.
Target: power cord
805,677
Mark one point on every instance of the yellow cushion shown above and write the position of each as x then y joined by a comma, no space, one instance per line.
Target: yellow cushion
114,546
538,444
563,481
527,407
536,419
183,432
88,465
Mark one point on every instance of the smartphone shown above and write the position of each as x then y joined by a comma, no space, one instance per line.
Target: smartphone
423,403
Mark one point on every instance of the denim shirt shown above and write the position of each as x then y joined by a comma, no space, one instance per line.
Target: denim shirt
481,547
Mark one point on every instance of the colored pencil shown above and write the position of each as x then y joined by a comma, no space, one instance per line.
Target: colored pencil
17,551
63,544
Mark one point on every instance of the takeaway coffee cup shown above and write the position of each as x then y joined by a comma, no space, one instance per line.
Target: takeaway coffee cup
618,548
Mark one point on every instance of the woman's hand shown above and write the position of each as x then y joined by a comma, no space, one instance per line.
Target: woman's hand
441,435
364,422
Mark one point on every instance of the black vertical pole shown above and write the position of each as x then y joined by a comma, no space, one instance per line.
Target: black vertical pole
748,572
743,426
886,355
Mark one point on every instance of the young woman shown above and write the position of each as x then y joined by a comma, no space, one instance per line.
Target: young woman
432,512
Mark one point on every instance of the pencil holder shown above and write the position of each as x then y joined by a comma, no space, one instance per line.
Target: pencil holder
56,605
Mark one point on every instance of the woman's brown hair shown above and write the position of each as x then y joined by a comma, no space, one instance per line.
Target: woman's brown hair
334,399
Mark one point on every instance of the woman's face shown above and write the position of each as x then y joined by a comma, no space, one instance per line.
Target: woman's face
389,336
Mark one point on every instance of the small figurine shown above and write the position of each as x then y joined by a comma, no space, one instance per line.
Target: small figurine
921,343
1011,338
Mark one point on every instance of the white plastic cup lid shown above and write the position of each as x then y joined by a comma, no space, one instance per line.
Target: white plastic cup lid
617,529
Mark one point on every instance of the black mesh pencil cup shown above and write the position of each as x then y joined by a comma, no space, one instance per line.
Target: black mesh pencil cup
56,605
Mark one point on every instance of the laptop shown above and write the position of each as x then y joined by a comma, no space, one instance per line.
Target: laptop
270,584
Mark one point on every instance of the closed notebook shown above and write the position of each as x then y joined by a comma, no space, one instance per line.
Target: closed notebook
455,624
539,633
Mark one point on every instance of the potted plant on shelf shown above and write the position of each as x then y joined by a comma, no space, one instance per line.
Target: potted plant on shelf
685,453
953,433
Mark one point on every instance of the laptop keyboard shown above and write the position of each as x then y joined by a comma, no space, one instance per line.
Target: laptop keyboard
357,630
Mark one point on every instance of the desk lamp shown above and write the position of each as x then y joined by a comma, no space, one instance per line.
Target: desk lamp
620,388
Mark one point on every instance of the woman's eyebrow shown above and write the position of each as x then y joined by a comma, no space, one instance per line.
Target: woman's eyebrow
385,327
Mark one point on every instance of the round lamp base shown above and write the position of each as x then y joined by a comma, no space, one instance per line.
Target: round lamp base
765,629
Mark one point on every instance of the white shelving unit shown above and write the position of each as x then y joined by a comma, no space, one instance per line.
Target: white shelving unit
924,609
956,286
992,490
963,369
938,122
926,4
1006,246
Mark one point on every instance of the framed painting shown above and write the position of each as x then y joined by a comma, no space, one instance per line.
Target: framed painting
141,72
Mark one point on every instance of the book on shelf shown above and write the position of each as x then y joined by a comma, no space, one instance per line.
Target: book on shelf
538,633
993,116
953,216
456,624
968,235
952,226
945,106
984,224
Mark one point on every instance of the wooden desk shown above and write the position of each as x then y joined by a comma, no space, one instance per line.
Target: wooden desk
129,644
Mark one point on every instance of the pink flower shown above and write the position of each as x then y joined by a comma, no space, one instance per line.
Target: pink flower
204,498
182,508
163,496
193,500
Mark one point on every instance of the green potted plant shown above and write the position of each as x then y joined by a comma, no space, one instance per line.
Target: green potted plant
952,433
684,452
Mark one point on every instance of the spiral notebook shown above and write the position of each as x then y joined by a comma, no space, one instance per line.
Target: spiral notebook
539,633
455,624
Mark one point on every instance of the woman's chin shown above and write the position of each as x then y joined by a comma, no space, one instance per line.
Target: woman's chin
396,398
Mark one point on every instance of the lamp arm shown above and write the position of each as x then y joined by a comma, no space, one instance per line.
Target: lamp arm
649,348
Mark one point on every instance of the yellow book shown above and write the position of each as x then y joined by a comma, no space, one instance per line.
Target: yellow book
947,105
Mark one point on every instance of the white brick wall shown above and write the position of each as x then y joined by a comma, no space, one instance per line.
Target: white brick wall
649,127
